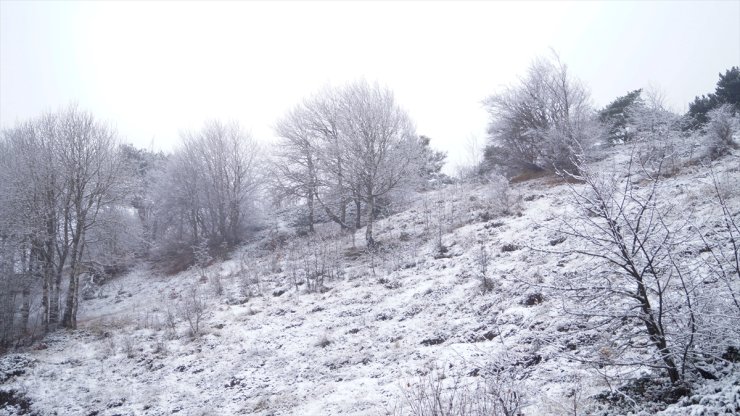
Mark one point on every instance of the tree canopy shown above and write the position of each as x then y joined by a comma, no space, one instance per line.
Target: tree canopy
726,92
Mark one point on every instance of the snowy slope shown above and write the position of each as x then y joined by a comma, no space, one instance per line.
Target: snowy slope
385,323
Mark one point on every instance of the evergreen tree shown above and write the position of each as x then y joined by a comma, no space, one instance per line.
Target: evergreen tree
615,116
728,88
727,92
699,108
432,161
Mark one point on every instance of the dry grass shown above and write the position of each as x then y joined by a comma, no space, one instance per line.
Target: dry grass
530,174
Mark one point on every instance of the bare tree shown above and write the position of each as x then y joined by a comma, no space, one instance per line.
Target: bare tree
17,228
351,144
473,159
208,188
311,159
544,122
62,170
297,159
650,119
37,203
382,148
91,168
646,291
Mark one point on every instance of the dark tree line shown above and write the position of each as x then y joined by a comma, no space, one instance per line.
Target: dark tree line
726,92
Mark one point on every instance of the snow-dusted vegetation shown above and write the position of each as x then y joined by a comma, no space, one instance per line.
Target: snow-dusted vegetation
588,265
459,302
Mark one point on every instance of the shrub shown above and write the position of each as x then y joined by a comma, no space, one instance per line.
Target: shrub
723,124
128,346
193,309
506,248
218,288
323,342
503,199
438,395
533,299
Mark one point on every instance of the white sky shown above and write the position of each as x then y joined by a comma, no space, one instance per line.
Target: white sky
155,69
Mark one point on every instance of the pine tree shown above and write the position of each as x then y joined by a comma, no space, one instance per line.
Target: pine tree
727,92
616,117
728,88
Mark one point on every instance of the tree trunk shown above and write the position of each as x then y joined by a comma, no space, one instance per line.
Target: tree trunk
45,300
69,320
27,266
25,306
54,307
194,224
652,325
234,221
358,213
342,199
47,275
657,335
343,209
309,202
329,213
369,230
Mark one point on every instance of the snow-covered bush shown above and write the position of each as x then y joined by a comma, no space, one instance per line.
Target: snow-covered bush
436,394
722,126
193,309
503,199
482,261
313,260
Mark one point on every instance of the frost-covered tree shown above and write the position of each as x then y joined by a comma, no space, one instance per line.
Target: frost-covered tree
142,169
432,161
617,117
62,169
207,190
650,293
382,149
542,122
650,119
91,167
297,159
347,144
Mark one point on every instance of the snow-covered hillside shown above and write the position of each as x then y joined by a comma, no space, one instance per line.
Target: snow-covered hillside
414,314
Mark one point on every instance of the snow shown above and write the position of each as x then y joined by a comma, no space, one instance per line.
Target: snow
383,325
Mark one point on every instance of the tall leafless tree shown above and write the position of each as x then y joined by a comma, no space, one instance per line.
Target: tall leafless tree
297,158
91,168
647,286
208,188
61,169
352,143
382,149
543,122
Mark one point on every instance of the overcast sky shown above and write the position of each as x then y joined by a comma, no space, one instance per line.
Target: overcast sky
155,69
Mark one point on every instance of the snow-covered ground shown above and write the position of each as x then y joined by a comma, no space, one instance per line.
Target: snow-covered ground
385,323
